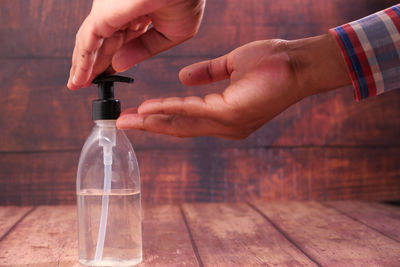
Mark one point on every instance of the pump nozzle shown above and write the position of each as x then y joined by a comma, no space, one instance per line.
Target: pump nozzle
112,78
106,107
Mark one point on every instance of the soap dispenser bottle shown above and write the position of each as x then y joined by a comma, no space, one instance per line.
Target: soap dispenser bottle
108,188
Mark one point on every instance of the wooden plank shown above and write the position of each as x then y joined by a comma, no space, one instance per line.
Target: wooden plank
38,178
270,174
35,97
226,25
44,28
382,217
166,241
48,237
235,235
331,238
217,175
9,217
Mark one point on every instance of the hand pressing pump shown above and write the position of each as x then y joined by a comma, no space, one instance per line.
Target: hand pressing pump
108,187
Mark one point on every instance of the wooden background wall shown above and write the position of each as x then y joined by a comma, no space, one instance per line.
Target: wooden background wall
326,147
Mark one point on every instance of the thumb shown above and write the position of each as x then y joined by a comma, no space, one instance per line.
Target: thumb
207,71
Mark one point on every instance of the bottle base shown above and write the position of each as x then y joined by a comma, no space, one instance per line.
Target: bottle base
111,262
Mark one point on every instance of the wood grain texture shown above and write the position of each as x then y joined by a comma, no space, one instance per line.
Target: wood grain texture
48,237
223,235
220,175
40,28
226,25
235,235
39,113
270,174
39,178
166,241
383,218
325,147
331,238
9,216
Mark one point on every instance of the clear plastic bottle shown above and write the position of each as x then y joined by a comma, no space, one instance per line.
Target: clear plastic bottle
109,203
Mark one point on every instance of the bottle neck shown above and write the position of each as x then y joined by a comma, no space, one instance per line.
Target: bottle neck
106,123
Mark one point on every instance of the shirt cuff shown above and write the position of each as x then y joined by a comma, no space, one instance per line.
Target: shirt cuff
371,49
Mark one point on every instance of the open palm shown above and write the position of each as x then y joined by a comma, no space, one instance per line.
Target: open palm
262,84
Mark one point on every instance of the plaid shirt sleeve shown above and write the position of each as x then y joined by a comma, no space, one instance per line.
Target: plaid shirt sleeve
371,49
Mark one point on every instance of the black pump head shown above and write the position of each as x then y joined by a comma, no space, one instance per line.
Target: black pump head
106,107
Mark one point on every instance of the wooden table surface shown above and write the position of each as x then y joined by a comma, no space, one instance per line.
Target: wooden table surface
220,234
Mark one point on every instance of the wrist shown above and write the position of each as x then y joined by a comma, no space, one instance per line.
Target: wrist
318,64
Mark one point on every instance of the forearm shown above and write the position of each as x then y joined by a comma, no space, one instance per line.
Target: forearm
365,53
318,64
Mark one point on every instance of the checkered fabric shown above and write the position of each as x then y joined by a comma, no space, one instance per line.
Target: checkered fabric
371,49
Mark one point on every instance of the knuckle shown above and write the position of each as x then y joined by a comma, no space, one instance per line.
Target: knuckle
185,34
192,33
209,69
83,69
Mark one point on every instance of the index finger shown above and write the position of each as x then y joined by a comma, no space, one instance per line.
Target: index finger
86,47
103,21
207,71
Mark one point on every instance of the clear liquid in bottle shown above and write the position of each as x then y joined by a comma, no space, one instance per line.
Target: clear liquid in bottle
123,239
